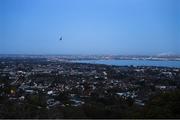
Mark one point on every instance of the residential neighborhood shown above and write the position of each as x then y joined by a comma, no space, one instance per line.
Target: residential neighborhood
60,84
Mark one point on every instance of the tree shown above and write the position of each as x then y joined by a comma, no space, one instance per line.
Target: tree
165,105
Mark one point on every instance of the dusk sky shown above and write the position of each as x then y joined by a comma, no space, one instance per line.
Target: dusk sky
89,26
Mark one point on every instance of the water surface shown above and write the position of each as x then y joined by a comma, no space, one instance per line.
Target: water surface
133,62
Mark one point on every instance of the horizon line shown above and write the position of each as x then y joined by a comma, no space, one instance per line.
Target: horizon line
27,54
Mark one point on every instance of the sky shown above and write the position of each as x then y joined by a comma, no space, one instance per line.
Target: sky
90,27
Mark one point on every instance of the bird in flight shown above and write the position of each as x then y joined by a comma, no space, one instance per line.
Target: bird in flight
60,38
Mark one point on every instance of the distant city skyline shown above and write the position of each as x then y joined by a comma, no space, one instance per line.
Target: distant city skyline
117,27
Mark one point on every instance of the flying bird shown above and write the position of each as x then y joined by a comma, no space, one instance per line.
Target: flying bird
60,38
